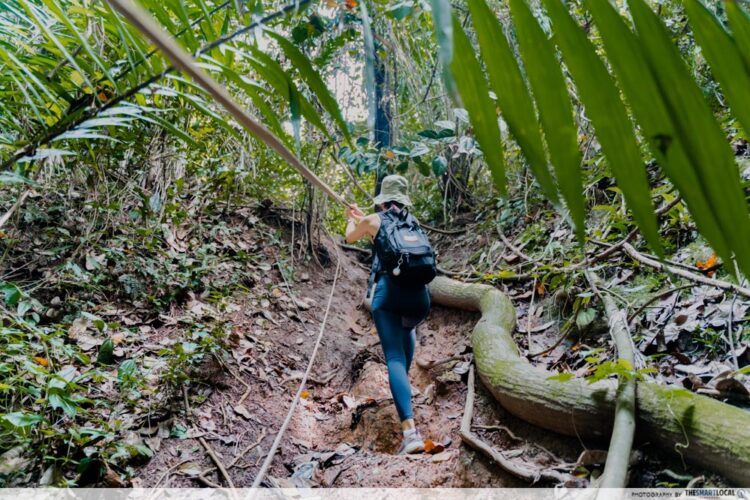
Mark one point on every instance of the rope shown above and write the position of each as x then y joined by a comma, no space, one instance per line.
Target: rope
288,419
180,58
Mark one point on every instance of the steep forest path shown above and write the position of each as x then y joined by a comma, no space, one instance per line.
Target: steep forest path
345,431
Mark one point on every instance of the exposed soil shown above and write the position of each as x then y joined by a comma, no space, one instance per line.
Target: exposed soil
349,379
345,431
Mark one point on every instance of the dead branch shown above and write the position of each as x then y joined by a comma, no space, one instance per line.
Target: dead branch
654,299
704,280
524,471
15,207
513,248
217,461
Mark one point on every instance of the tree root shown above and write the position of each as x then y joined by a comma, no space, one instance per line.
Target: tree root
705,432
615,473
517,468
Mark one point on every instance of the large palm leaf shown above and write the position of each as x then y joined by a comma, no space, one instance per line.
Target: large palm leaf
63,65
658,91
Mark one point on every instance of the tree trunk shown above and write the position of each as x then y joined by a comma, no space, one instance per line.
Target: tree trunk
703,431
383,132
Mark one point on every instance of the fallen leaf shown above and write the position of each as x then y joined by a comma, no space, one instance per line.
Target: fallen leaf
590,457
242,411
41,361
707,264
78,327
432,447
540,289
118,338
190,469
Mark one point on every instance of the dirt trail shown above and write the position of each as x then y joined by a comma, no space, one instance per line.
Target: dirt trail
272,340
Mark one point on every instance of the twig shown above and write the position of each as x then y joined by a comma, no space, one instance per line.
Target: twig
443,231
168,472
528,315
654,298
513,248
203,479
563,335
15,207
615,473
523,471
497,428
217,461
704,280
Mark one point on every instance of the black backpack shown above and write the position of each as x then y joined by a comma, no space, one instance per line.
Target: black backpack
403,250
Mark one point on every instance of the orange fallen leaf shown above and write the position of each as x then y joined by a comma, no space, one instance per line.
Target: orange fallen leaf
41,361
432,447
429,445
540,289
707,264
351,4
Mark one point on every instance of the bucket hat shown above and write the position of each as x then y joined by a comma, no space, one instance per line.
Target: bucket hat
393,188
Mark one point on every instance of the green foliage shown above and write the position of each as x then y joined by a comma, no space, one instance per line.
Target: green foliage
665,99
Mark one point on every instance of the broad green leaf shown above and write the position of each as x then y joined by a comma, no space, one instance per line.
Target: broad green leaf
739,22
439,165
400,10
652,113
21,419
614,130
443,26
703,138
314,81
515,102
475,94
724,58
550,91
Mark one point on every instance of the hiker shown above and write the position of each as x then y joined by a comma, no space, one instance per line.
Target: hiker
403,263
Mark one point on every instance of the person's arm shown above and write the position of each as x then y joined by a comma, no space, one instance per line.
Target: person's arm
359,225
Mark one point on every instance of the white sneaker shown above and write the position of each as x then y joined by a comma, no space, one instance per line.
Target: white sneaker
412,443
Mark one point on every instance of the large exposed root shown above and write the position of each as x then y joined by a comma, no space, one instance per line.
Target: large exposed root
703,431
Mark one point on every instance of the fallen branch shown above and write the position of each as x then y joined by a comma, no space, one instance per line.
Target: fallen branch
563,335
704,280
513,248
654,298
217,461
524,471
443,231
7,215
615,473
708,433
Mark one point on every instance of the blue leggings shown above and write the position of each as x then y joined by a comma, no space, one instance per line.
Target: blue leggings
396,312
